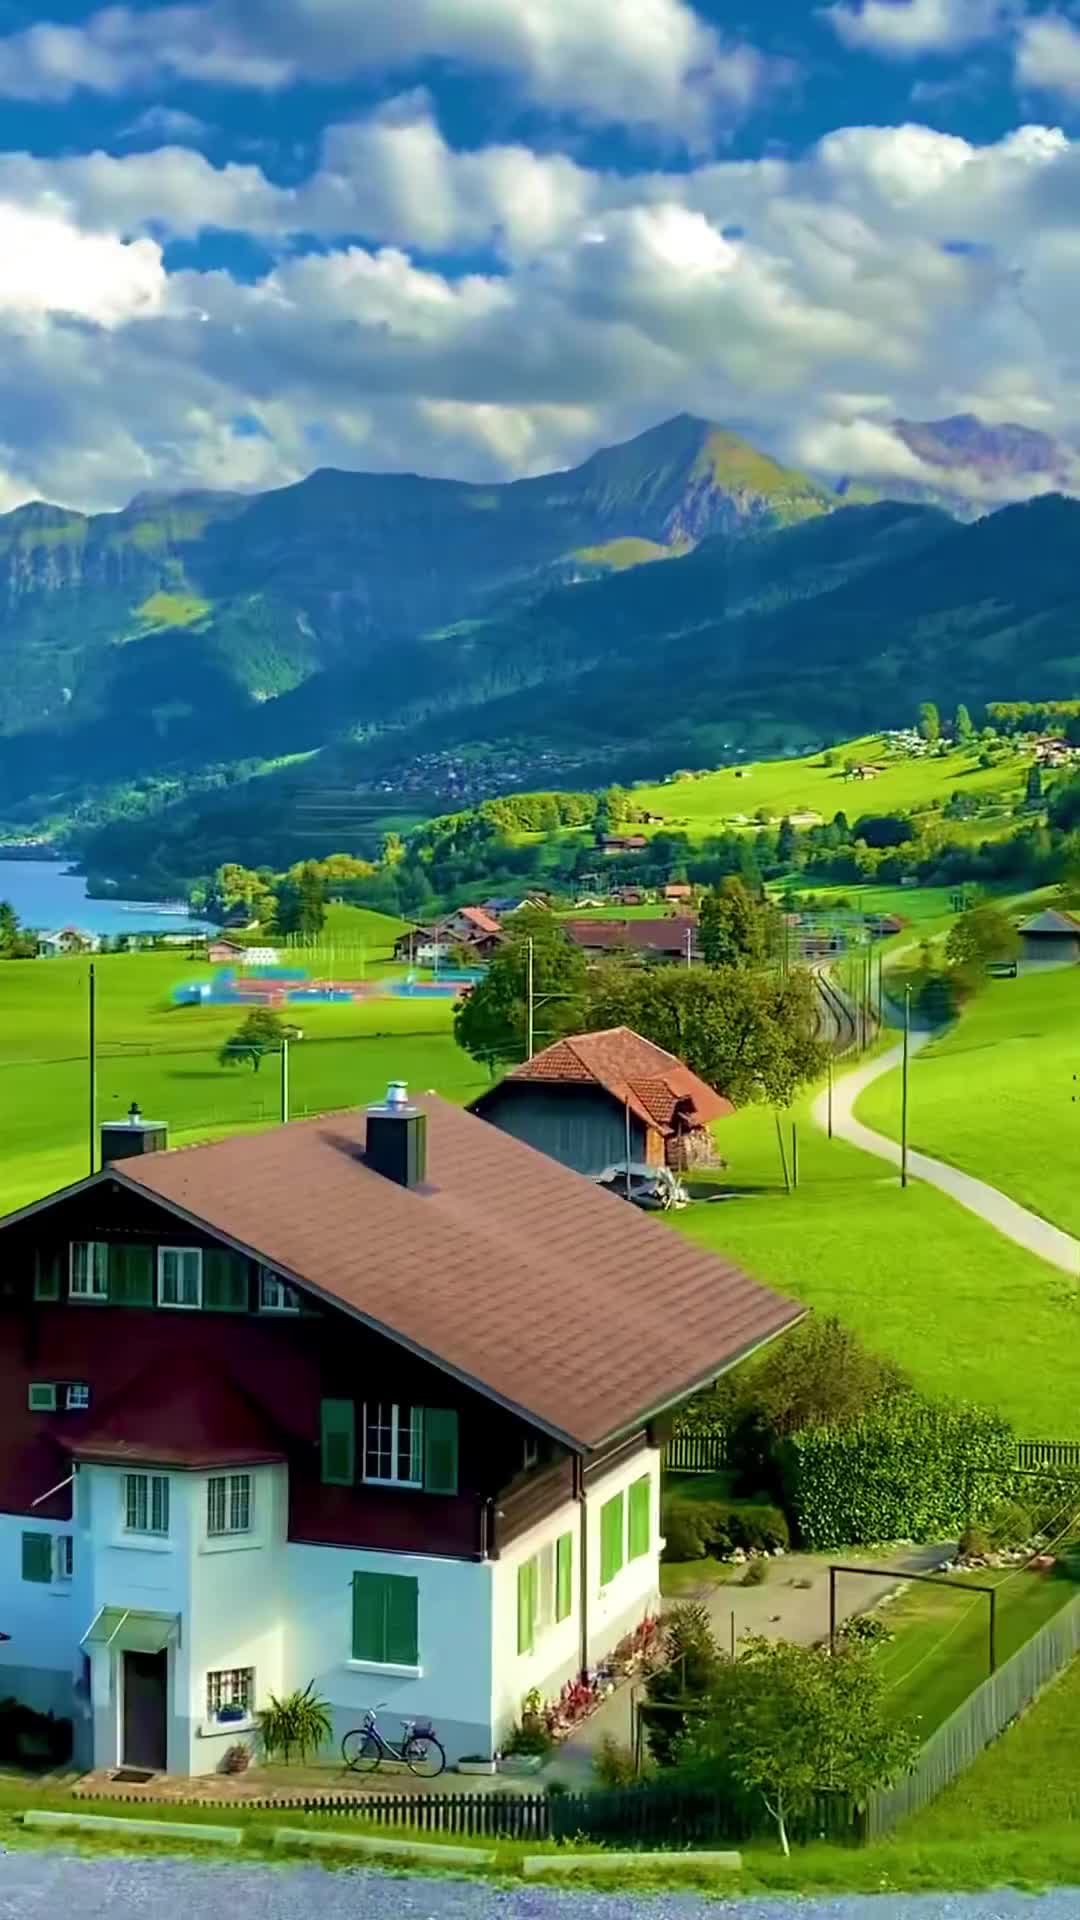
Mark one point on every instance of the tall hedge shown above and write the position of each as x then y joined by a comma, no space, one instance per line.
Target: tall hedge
905,1471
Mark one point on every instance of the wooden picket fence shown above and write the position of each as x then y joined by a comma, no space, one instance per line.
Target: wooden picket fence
696,1453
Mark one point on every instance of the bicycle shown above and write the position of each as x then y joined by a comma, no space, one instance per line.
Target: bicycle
364,1747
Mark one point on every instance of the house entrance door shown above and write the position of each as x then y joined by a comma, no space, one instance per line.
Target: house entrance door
145,1705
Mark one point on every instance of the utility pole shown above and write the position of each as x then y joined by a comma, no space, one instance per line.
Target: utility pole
529,1007
830,1067
92,1010
904,1095
284,1081
689,946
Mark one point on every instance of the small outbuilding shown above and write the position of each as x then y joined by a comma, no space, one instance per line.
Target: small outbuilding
1051,937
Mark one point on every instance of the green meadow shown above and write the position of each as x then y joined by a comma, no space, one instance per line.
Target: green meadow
710,802
998,1095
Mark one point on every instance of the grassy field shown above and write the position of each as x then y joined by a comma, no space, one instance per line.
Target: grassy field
941,1650
1026,1782
165,1056
963,1310
996,1094
711,802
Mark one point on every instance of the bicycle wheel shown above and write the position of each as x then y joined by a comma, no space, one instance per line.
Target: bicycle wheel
361,1751
423,1755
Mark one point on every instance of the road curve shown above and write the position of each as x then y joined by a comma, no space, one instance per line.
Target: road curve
1014,1221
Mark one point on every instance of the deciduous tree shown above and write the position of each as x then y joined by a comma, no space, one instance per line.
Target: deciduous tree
260,1033
929,723
980,936
492,1023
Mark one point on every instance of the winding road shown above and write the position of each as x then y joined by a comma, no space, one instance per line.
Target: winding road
1014,1221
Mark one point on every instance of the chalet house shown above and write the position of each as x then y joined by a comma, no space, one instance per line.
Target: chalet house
648,940
471,927
67,940
1050,936
613,843
579,1099
222,953
374,1401
678,890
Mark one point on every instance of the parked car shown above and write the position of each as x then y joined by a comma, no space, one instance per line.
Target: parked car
656,1189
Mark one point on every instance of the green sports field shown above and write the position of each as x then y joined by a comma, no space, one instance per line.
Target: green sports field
165,1056
710,803
996,1095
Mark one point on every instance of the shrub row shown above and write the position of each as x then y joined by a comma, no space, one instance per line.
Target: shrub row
693,1528
910,1469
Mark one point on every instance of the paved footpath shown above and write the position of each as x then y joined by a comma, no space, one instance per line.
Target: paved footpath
1014,1221
51,1886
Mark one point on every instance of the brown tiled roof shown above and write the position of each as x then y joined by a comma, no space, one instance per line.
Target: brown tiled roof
643,936
653,1083
483,922
505,1268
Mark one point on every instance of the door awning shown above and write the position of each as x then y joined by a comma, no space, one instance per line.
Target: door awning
134,1629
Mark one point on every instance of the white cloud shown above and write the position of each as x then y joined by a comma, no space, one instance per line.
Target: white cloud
653,64
904,29
1048,56
167,124
49,267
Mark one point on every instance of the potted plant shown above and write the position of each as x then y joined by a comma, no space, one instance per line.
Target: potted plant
526,1748
475,1763
235,1758
300,1723
230,1712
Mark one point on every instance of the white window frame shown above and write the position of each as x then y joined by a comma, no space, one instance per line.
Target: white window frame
63,1557
224,1694
93,1284
151,1496
182,1253
395,1409
237,1498
76,1396
275,1294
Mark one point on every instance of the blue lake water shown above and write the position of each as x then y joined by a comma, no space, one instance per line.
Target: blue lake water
46,896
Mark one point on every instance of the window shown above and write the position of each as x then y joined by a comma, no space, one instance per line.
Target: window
544,1591
37,1558
639,1508
179,1277
338,1443
63,1556
146,1503
224,1281
89,1272
530,1453
384,1624
47,1272
228,1503
612,1538
41,1397
232,1687
393,1444
76,1396
274,1295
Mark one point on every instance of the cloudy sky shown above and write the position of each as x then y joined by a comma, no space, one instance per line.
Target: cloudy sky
240,239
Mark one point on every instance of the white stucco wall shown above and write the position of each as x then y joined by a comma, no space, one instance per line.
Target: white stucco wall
453,1686
612,1610
41,1662
236,1609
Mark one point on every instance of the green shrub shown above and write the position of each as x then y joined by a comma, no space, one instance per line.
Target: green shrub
974,1541
298,1724
614,1764
683,1536
757,1572
693,1528
866,1630
533,1738
910,1469
1011,1525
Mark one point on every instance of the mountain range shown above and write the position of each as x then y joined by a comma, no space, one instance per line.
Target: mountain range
354,623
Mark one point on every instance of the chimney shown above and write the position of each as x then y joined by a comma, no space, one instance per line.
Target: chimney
397,1138
124,1139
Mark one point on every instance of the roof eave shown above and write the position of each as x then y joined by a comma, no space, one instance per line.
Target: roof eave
699,1384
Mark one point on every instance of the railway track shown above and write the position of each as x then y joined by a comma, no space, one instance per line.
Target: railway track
837,1021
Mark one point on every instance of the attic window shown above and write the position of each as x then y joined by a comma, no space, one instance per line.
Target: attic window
76,1396
42,1396
275,1295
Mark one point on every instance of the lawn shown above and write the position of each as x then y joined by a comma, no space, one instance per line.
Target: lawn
996,1094
941,1650
963,1310
165,1057
709,803
1026,1781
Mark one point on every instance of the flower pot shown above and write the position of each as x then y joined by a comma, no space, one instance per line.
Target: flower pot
520,1763
478,1766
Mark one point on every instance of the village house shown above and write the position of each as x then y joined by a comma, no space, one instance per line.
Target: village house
1050,937
226,953
67,940
471,927
678,890
668,939
594,1099
613,843
374,1401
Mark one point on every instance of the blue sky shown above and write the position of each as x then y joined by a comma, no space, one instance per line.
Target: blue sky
239,238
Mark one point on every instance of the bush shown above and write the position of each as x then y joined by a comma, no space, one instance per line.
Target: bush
757,1572
614,1763
866,1630
974,1542
904,1472
1011,1525
300,1723
532,1738
693,1528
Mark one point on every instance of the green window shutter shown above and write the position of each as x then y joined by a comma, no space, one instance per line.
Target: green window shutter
440,1450
384,1628
131,1276
611,1539
640,1500
564,1576
47,1274
338,1443
37,1557
225,1281
526,1605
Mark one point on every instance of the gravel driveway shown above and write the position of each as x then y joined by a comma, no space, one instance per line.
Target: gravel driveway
51,1886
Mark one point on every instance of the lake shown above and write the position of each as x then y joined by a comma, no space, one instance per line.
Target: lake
46,896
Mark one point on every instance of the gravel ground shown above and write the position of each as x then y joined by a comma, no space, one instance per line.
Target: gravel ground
50,1886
